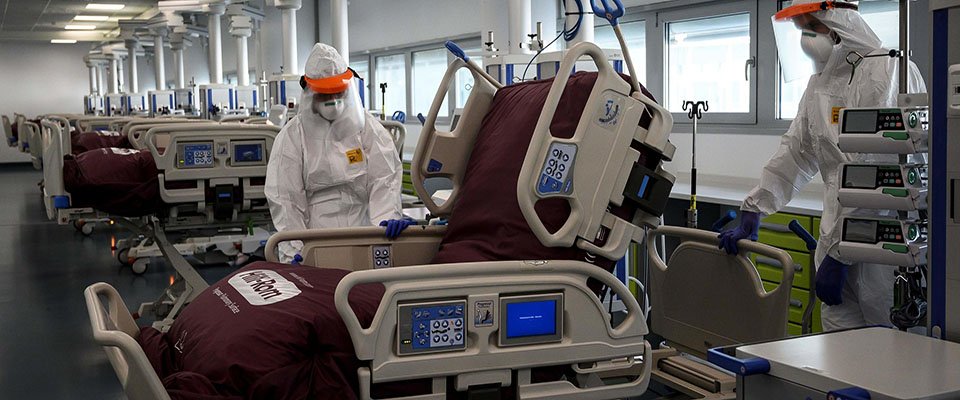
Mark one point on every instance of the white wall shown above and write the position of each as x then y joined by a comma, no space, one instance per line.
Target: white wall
39,78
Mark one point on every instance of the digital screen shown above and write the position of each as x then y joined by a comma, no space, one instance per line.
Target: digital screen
860,121
861,231
248,153
535,318
197,155
860,177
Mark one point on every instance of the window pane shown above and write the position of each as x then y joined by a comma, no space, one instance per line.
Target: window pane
464,82
391,70
635,33
428,69
362,67
882,16
705,61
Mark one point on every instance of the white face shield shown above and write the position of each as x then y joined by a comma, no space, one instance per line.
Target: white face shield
330,100
804,42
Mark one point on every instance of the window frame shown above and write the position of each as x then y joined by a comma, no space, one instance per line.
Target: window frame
465,42
657,46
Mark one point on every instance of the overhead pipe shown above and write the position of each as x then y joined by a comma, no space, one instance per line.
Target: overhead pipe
519,12
131,44
339,23
158,64
213,35
288,24
585,32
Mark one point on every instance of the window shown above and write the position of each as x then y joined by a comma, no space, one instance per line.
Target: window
635,34
882,16
706,61
362,67
464,82
429,67
391,70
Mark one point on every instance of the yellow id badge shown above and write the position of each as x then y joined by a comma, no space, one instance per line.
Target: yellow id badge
835,118
354,156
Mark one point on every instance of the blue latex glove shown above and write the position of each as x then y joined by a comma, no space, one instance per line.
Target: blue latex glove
297,259
395,226
831,276
748,229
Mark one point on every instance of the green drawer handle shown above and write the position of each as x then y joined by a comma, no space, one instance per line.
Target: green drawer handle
776,263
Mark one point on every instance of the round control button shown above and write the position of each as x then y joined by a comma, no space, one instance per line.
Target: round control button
552,162
445,324
566,158
549,171
562,167
558,175
556,153
446,338
458,337
436,324
458,323
436,339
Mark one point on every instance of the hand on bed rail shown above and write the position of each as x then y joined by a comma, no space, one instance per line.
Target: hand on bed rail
749,229
396,226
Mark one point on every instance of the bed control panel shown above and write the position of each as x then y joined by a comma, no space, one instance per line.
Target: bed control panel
195,155
556,175
432,327
381,257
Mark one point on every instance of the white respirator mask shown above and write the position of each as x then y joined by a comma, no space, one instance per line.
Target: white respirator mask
330,110
818,47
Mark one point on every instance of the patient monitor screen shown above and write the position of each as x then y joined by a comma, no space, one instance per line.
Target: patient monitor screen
860,231
248,153
195,155
531,319
860,177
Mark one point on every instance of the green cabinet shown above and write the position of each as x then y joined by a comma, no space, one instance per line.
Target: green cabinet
774,231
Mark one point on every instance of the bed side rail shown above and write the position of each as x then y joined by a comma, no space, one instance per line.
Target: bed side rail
220,158
441,154
88,124
361,248
8,132
114,329
740,309
135,130
572,327
54,193
620,140
398,132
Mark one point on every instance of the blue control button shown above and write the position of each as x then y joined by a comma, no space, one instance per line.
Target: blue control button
434,166
446,338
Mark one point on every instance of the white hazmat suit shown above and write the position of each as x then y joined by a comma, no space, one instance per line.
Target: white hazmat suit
333,164
810,145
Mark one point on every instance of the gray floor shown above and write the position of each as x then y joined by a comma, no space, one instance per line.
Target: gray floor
46,348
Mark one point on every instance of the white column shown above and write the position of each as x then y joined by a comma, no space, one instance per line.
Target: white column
216,51
338,17
288,22
114,74
178,64
586,24
120,78
100,89
158,64
243,68
93,78
132,66
519,13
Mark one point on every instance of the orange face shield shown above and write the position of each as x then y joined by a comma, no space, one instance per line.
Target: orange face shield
801,9
332,85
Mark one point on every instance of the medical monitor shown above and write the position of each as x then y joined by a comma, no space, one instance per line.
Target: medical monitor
531,319
247,152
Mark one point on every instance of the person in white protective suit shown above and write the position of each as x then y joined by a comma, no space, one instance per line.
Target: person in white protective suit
829,33
333,164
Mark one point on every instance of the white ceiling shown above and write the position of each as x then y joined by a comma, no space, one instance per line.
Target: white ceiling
45,19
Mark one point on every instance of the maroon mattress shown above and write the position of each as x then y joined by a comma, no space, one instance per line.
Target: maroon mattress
224,346
118,181
86,141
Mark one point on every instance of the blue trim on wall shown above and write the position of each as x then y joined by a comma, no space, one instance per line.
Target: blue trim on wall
508,76
283,93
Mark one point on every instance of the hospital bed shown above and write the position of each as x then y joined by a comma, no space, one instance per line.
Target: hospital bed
8,131
211,191
624,171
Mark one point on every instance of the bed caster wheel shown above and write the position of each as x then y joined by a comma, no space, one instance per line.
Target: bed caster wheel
86,229
139,266
123,256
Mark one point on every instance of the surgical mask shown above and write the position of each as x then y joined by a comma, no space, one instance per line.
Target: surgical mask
818,47
331,109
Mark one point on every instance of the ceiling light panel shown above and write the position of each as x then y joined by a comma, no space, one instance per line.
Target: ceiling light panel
91,18
103,6
80,27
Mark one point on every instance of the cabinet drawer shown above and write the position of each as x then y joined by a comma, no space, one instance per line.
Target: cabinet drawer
774,231
798,299
770,269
